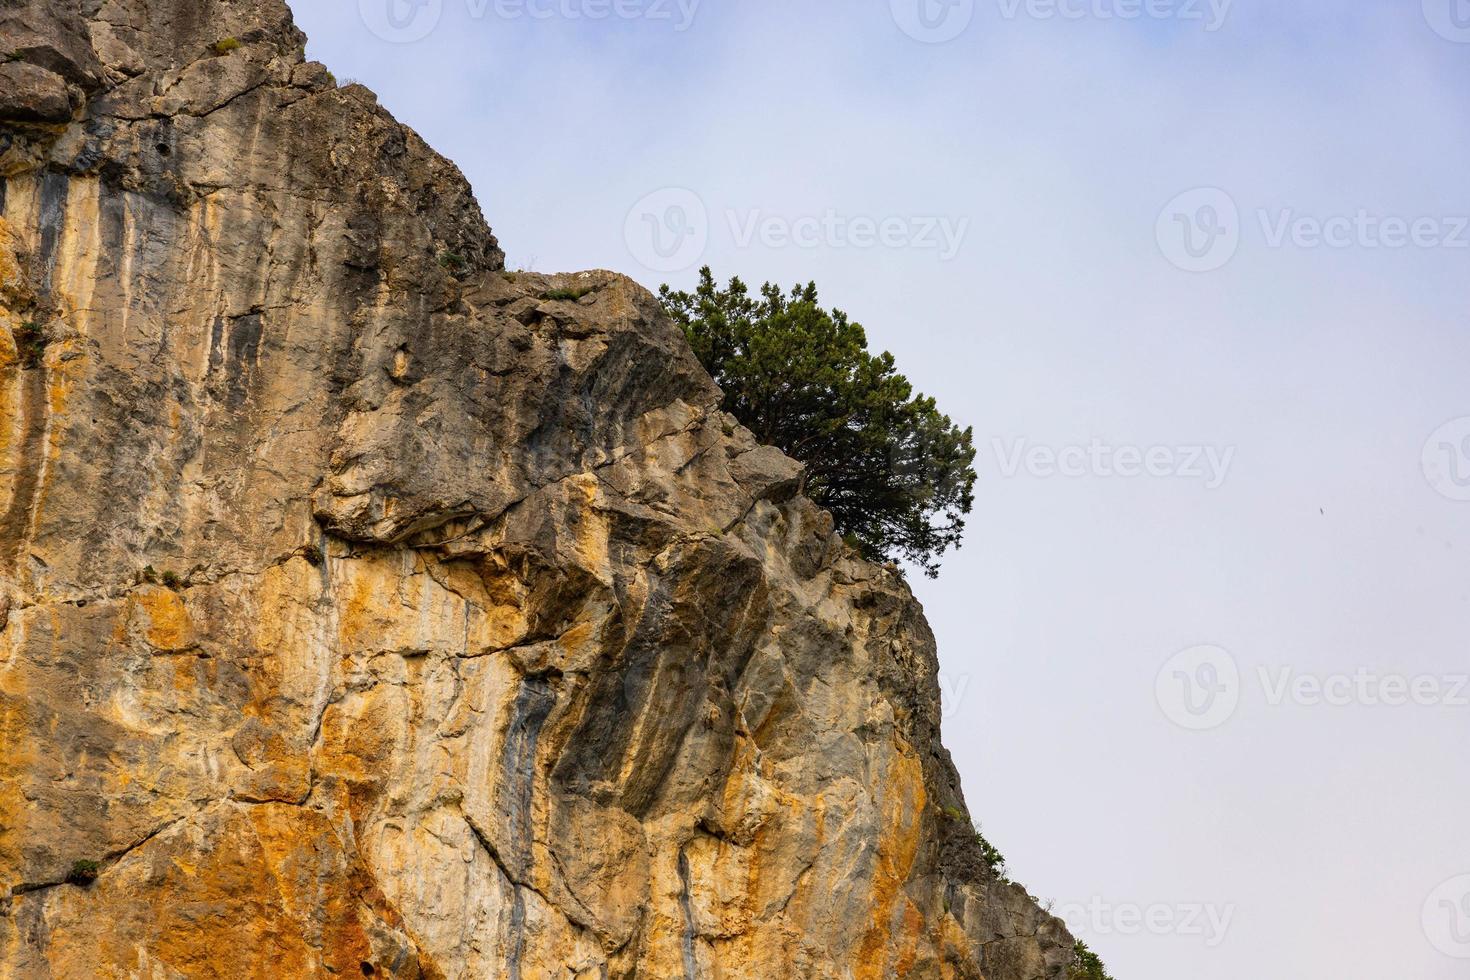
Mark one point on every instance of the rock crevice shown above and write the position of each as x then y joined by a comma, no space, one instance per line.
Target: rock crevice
364,607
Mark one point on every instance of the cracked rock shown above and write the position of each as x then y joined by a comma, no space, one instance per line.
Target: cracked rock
364,611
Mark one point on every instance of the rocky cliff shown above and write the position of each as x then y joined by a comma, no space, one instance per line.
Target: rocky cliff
370,610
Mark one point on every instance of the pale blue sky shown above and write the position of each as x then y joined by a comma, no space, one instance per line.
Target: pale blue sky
1322,832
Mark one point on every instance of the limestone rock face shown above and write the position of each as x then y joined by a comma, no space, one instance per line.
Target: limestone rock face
370,610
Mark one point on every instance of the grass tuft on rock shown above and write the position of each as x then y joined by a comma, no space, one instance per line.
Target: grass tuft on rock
83,873
568,295
992,856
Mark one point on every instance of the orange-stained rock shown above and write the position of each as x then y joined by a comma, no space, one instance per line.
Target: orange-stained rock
477,643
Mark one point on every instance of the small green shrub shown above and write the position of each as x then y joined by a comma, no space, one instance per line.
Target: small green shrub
225,45
992,856
30,344
171,580
453,261
988,851
1087,965
148,576
84,872
568,295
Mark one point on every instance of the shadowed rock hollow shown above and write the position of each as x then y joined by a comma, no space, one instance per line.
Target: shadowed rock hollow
366,611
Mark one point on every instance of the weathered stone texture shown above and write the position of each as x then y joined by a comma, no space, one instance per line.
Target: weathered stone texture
365,608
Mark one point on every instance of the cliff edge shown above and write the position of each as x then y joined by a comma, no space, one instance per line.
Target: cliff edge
369,610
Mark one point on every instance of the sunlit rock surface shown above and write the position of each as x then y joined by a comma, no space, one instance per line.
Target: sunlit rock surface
370,610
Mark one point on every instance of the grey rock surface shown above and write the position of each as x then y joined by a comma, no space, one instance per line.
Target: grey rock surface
365,609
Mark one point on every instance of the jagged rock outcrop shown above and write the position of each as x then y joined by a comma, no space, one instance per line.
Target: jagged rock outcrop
370,610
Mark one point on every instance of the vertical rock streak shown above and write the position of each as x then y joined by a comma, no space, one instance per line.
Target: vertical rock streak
691,969
532,704
366,609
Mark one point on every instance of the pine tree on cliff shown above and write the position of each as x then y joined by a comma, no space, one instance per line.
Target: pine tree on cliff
897,475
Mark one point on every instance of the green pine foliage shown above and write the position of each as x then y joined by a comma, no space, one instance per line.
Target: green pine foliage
1087,966
897,475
